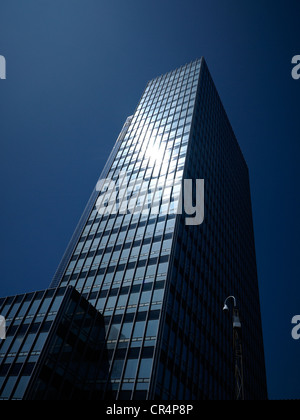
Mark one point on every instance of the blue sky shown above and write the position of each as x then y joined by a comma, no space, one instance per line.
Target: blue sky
77,68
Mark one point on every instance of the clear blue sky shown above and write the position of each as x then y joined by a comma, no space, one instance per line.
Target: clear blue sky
77,68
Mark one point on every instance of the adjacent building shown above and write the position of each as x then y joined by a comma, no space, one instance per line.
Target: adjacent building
54,347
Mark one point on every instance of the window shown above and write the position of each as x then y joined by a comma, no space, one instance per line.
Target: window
131,368
34,307
133,300
111,302
114,332
9,387
152,328
28,343
17,343
4,344
117,369
19,393
158,295
167,244
139,329
146,297
24,308
125,253
126,331
135,251
140,272
145,369
122,300
162,268
56,303
151,270
40,341
145,249
155,247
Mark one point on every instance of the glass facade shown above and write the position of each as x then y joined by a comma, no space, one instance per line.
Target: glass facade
158,281
211,262
121,261
54,348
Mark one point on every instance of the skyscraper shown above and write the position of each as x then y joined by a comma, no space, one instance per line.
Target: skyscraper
166,236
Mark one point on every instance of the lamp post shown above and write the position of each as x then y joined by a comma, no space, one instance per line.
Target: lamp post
237,350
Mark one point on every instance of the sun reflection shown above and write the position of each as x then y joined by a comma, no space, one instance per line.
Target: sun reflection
155,152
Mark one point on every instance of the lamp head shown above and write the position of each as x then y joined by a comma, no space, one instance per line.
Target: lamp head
225,308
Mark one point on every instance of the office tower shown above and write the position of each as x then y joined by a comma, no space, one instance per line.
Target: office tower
54,348
166,236
120,262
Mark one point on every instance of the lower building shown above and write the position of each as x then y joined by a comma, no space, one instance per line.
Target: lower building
54,347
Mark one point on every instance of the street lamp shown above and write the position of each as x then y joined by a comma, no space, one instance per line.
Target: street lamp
225,303
237,349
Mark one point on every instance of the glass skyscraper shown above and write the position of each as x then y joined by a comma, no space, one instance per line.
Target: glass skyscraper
157,269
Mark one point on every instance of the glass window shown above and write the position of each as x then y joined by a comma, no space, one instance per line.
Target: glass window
34,307
125,253
140,272
17,344
151,270
5,309
162,268
56,303
28,343
115,256
4,344
145,249
158,295
167,244
126,330
146,297
21,388
40,341
131,368
133,300
139,329
145,369
117,369
100,304
122,300
106,258
24,308
155,247
111,302
135,251
114,332
152,328
6,393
